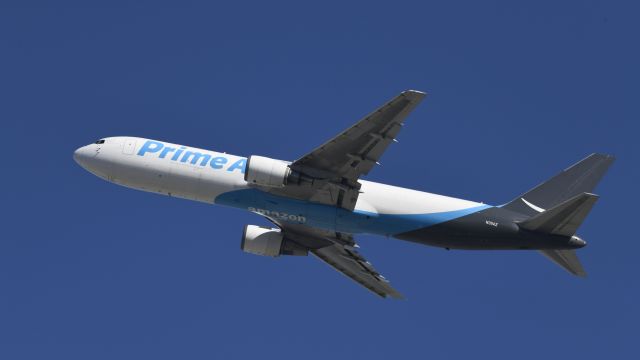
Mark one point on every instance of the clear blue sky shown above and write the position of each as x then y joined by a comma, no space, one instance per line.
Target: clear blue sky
90,270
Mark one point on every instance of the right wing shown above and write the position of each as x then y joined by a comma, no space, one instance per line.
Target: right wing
349,262
339,250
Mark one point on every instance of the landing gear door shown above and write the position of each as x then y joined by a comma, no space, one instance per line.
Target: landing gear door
129,146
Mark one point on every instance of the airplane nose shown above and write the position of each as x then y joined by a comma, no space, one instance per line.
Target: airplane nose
83,155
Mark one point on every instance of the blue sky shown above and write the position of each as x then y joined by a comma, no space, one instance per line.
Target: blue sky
518,91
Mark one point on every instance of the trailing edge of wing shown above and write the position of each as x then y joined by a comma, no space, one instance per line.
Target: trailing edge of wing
339,251
349,262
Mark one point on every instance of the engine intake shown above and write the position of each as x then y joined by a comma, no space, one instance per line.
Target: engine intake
268,242
265,171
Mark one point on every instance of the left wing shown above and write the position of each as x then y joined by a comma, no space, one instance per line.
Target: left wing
329,174
356,150
339,250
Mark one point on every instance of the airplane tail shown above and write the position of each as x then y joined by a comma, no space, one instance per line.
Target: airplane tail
563,219
581,177
560,205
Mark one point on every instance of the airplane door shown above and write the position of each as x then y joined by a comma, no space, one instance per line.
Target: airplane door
129,146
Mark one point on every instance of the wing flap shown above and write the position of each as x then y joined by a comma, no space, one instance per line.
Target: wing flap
339,250
351,264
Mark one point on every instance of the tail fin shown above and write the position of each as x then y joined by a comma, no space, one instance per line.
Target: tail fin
579,178
562,219
568,198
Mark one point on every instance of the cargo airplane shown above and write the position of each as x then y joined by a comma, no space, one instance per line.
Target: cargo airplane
319,202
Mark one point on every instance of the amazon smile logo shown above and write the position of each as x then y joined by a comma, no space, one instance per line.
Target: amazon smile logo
536,208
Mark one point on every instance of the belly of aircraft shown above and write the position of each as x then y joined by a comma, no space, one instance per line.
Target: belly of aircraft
478,227
287,210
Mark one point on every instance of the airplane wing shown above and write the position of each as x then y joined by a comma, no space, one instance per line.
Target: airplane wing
348,261
329,175
335,167
339,250
353,152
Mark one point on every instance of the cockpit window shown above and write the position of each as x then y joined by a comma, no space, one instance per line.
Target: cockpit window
101,141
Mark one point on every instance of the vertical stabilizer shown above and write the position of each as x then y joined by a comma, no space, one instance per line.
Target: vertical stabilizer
579,178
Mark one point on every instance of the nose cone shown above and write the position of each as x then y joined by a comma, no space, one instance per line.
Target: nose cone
577,242
84,155
96,159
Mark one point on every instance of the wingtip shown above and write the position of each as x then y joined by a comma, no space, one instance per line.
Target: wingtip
579,272
414,94
603,156
392,295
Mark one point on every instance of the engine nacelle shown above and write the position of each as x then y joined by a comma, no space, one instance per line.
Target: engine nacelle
261,241
268,242
266,172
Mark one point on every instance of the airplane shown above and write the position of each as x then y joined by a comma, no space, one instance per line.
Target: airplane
319,202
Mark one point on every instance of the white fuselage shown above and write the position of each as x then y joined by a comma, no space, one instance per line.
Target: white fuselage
213,177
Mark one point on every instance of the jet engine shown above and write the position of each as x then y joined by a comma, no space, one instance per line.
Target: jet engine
266,172
268,242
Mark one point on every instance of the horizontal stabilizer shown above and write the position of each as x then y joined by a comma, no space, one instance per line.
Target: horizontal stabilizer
567,259
564,218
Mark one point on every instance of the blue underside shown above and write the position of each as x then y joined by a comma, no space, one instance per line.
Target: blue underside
288,210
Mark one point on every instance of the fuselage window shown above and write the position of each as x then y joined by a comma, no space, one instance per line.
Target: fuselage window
101,141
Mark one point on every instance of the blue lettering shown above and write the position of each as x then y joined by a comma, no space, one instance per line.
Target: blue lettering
193,157
217,162
150,146
196,156
240,164
178,153
165,151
